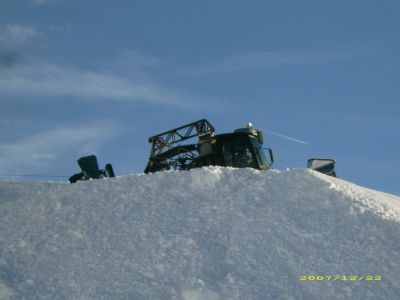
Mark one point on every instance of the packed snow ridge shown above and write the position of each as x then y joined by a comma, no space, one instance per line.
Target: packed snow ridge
211,233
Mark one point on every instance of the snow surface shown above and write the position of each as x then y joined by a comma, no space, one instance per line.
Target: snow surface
211,233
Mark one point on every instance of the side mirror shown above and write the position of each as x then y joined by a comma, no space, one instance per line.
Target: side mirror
271,155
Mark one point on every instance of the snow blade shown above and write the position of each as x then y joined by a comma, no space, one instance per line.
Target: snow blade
108,169
78,176
323,165
89,166
90,169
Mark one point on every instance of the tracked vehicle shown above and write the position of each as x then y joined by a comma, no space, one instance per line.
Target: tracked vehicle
196,145
240,149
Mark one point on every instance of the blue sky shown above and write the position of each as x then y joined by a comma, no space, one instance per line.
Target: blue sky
82,77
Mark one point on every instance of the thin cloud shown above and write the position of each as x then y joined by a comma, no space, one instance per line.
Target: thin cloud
61,29
41,2
40,151
137,58
43,80
17,34
262,60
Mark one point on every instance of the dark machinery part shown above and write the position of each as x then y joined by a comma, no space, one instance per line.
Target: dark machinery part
322,165
90,169
109,171
240,149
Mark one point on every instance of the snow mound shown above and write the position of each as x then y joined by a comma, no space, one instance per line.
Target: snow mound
211,233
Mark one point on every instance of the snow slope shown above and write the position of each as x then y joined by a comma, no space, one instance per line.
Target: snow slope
211,233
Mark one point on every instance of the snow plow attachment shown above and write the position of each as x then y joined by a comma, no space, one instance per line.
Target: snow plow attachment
90,169
322,165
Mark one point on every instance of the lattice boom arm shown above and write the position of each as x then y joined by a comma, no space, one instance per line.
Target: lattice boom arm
171,137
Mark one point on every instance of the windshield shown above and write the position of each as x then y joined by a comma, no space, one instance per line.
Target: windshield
238,153
260,153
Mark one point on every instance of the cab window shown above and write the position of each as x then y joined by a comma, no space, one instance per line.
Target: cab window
242,156
261,157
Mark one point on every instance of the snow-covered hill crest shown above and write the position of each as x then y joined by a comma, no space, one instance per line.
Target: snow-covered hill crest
211,233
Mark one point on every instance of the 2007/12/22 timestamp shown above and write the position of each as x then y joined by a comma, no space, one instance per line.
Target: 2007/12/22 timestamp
339,278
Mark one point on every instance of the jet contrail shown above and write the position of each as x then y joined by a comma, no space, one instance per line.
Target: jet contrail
287,137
